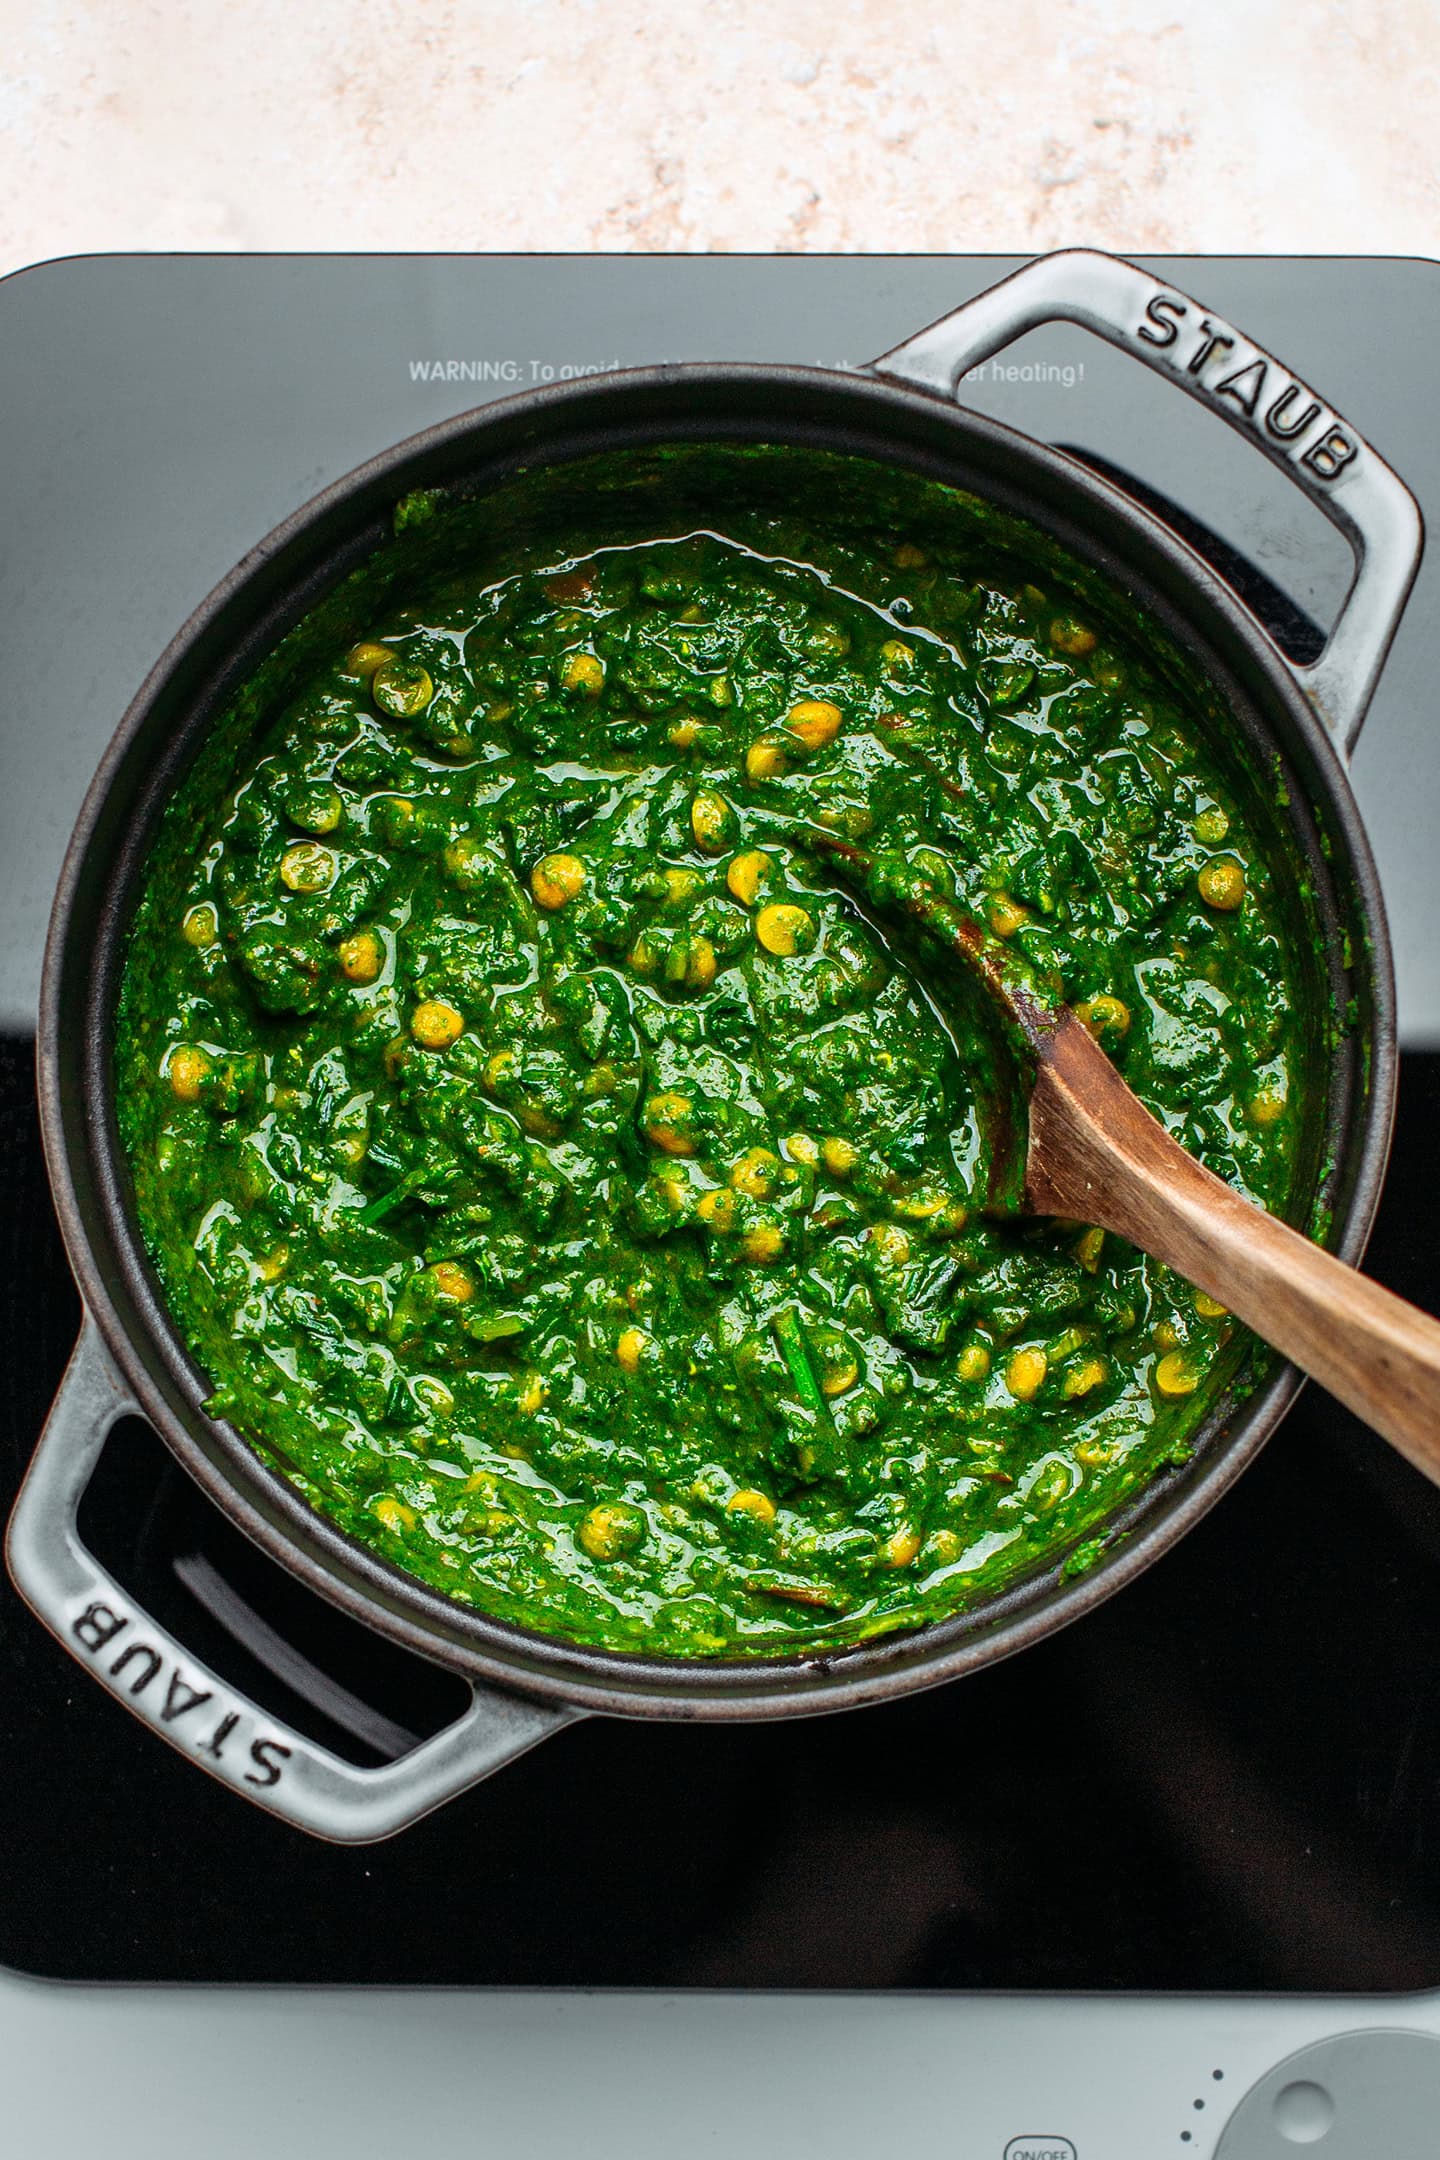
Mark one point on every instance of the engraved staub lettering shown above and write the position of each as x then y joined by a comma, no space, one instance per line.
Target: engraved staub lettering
181,1697
215,1745
1211,342
98,1625
1274,403
1162,319
1246,386
1287,428
262,1754
136,1668
153,1662
1326,456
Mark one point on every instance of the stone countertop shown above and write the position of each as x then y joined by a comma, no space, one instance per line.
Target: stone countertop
812,125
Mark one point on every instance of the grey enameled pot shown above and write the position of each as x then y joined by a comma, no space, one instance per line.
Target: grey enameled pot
900,411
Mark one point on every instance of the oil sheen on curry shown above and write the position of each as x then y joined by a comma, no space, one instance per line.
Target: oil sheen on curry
582,1193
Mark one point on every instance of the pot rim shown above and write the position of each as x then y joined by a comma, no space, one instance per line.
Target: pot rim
353,1576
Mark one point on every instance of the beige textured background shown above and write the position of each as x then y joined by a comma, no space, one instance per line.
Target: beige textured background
724,124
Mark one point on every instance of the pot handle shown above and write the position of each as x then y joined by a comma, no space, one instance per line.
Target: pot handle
207,1720
1246,386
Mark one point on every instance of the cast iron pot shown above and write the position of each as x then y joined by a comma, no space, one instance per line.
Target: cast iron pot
900,414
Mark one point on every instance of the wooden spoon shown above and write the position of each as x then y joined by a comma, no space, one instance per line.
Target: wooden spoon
1095,1153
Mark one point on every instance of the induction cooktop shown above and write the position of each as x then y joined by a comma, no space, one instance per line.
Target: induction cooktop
1085,1902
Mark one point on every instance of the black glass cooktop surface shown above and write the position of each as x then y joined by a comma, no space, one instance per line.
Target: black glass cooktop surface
1226,1778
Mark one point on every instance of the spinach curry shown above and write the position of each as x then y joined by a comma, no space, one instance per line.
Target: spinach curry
577,1189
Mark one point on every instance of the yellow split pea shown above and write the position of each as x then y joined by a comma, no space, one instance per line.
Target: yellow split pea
1007,916
187,1073
1089,1374
307,867
839,1366
718,1209
784,929
1222,885
1175,1375
630,1348
1105,1015
756,1173
402,689
763,1242
320,811
611,1530
435,1025
814,722
691,963
451,1281
363,659
556,879
766,759
361,957
712,821
890,1242
583,672
973,1362
1025,1374
1266,1106
1071,637
200,925
667,1122
680,883
747,873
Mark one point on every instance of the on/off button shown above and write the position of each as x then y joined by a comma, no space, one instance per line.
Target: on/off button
1040,2148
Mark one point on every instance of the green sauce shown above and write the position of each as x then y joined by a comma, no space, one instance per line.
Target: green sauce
579,1194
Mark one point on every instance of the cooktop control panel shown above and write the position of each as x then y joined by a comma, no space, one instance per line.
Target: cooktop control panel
545,2075
1359,2096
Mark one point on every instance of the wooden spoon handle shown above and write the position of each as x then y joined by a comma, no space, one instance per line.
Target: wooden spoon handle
1098,1155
